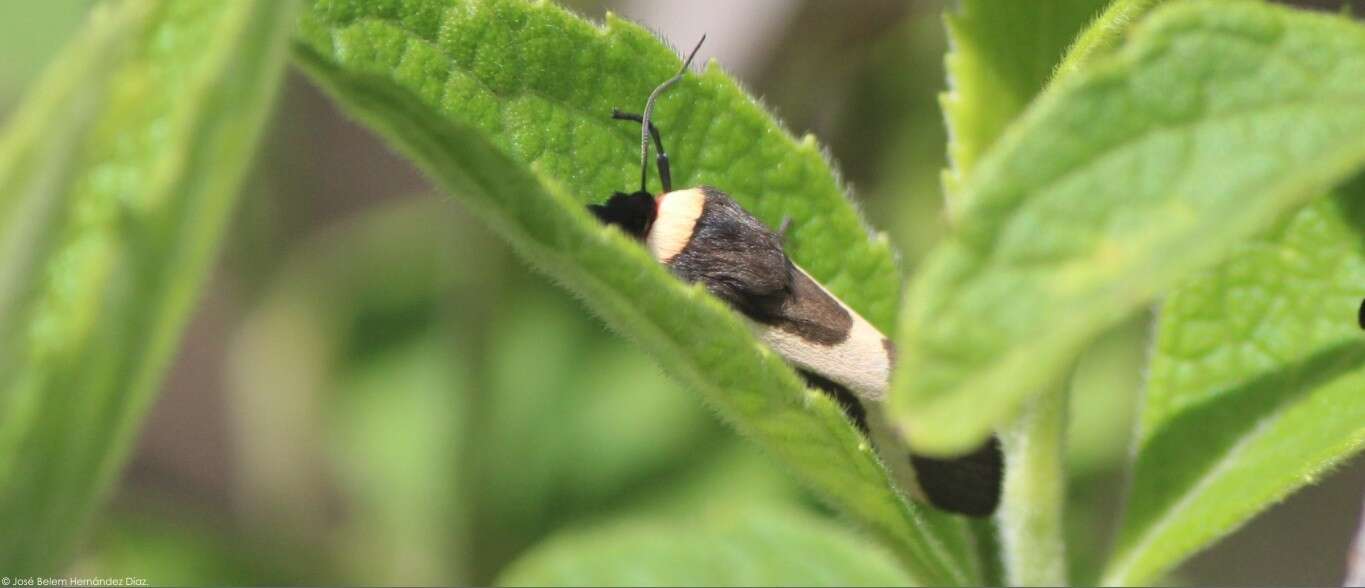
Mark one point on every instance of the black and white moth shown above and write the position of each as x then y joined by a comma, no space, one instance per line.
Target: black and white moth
705,237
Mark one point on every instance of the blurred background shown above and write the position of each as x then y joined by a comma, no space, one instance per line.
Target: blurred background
373,390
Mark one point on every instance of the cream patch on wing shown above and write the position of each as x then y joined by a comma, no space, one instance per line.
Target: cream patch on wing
861,362
674,223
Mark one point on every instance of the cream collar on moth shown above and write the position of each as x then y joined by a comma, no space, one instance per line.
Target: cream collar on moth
674,223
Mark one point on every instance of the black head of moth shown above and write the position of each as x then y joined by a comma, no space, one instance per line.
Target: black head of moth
703,236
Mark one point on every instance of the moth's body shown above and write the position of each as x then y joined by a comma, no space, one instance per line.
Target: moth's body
705,237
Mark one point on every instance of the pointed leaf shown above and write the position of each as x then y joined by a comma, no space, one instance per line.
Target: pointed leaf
116,178
1104,34
506,104
1216,120
1003,53
1255,386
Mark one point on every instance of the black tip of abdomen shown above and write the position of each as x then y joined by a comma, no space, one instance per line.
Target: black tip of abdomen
968,485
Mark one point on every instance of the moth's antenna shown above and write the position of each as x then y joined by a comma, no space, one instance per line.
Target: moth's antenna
649,111
661,160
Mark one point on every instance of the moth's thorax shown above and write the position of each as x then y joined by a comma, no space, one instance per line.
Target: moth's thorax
675,223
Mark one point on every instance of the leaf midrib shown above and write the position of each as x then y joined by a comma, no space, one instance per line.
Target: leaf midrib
991,256
1020,360
1129,144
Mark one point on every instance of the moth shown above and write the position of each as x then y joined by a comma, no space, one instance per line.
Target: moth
703,236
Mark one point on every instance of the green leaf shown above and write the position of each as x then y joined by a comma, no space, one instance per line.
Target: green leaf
396,429
1103,35
1003,53
173,545
540,84
351,390
116,177
506,105
749,547
737,475
1255,386
1216,120
587,397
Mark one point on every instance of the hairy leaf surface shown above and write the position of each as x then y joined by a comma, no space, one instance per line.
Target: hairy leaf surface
1255,386
1215,121
506,104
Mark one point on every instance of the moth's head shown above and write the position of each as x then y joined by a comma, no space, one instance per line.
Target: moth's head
633,213
636,212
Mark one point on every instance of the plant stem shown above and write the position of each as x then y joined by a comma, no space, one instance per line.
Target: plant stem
1030,516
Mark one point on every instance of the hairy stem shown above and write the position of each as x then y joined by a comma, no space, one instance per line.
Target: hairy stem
1030,518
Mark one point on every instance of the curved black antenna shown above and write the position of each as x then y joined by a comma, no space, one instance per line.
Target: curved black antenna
661,160
645,125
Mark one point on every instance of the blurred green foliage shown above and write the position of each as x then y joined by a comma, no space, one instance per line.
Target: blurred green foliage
34,31
113,193
741,545
398,399
399,331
